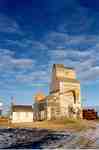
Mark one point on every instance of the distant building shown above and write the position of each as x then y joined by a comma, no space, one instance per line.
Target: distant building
1,108
89,114
40,107
21,113
64,97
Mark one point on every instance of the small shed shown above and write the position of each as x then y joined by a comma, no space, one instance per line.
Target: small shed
21,113
89,114
40,107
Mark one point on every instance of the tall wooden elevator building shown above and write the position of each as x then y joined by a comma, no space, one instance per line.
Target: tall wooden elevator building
64,96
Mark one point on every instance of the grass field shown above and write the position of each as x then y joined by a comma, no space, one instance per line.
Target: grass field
69,124
4,122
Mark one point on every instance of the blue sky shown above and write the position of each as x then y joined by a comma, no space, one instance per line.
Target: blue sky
34,34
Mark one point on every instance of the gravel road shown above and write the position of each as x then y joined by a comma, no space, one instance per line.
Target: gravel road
44,139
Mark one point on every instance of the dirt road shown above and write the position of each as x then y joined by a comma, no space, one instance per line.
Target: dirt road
40,138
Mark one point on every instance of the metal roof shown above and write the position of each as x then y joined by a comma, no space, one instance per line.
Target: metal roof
22,108
62,66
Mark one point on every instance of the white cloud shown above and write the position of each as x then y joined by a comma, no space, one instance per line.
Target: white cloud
35,76
6,52
9,25
22,63
64,48
36,45
23,43
16,71
60,48
90,74
10,62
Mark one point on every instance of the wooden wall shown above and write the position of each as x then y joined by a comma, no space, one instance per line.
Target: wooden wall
89,114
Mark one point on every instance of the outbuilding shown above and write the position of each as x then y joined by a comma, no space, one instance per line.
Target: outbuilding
21,113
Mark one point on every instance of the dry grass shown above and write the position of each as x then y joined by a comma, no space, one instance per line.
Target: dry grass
3,122
69,124
63,124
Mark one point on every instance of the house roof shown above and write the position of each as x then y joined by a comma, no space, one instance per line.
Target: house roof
22,108
59,65
62,66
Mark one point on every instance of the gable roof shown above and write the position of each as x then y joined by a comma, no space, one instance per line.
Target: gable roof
22,108
62,66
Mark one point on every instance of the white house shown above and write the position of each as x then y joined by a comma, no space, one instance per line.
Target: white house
21,113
